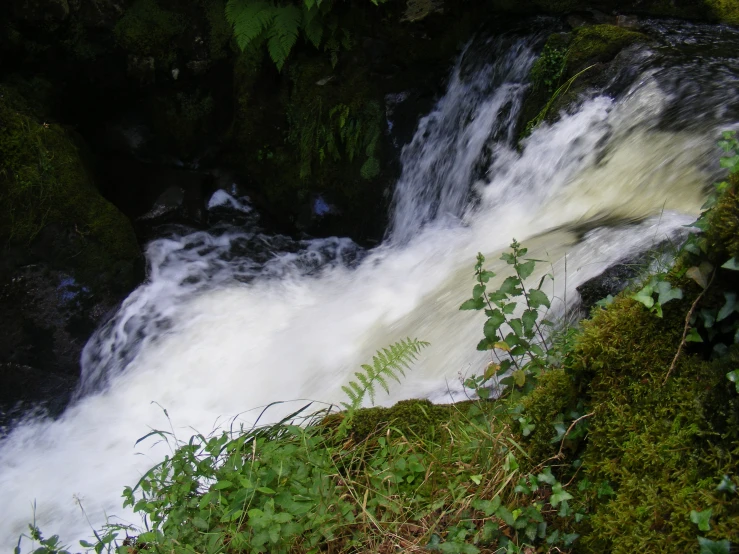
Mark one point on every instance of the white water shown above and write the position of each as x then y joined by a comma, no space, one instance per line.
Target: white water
214,334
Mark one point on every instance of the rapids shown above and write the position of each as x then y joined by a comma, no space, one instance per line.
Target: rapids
232,319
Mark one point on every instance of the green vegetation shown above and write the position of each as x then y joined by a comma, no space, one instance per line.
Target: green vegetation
724,10
256,22
44,182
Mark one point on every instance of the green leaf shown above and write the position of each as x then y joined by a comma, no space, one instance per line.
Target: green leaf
200,523
490,329
526,269
538,298
529,318
559,495
506,515
702,519
477,291
732,264
714,547
693,336
726,484
729,307
733,376
220,485
510,287
476,479
473,304
644,296
667,292
485,276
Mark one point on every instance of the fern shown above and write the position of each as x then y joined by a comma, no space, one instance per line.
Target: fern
280,25
388,363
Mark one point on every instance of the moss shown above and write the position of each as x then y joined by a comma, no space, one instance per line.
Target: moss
219,30
598,44
725,10
43,182
148,30
657,446
409,417
722,234
554,395
185,117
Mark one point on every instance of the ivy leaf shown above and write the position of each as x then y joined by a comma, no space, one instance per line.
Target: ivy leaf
559,495
730,163
726,485
733,264
538,298
644,296
714,547
693,336
702,519
700,274
667,292
727,308
733,376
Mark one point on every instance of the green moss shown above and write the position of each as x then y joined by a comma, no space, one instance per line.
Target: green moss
725,10
409,417
148,30
599,43
722,234
43,182
554,396
657,446
220,31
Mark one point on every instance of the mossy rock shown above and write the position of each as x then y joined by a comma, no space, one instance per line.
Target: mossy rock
569,64
554,395
726,11
598,44
657,446
44,184
722,234
408,417
146,29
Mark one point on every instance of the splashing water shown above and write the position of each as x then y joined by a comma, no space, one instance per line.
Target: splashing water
232,319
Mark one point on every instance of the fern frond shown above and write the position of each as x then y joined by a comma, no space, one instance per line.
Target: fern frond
387,363
284,33
251,21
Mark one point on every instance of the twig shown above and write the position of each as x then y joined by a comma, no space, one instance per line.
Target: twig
572,426
687,326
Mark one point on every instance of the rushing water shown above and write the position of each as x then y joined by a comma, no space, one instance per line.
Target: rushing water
233,319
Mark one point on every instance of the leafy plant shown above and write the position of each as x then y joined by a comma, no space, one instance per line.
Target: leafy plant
513,330
279,25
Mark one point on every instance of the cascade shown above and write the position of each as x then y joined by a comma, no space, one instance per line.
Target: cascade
231,319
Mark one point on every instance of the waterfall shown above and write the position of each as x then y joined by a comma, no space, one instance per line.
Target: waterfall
232,319
479,110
